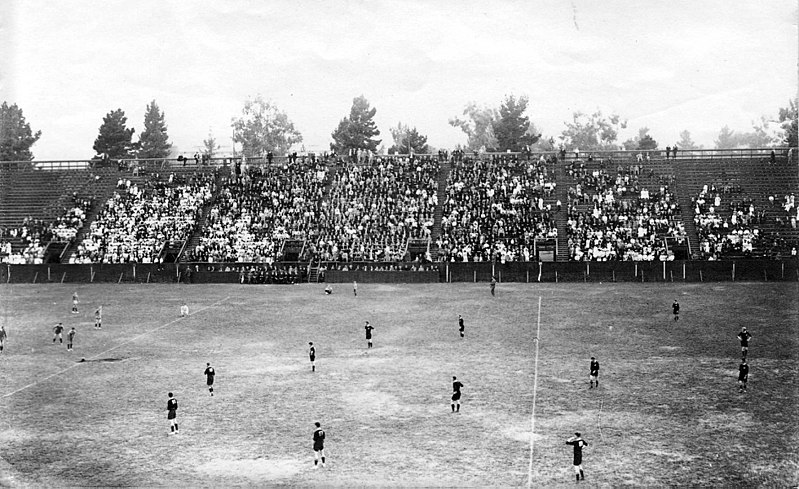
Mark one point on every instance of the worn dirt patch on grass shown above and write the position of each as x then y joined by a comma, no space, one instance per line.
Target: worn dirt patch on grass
260,468
376,402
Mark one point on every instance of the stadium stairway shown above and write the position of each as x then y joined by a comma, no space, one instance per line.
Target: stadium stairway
44,194
683,193
443,174
564,181
202,222
101,189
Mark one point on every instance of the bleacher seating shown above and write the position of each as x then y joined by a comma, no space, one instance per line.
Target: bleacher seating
469,208
495,208
621,215
372,210
257,209
136,222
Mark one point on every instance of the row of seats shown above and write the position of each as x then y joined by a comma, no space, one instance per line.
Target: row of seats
136,223
494,208
617,216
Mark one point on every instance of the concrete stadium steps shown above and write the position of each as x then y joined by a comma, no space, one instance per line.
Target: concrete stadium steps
197,232
27,194
101,189
563,181
758,179
444,169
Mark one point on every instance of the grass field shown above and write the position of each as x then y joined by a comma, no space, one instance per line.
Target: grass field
668,410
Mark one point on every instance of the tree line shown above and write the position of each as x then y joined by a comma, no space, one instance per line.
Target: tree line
262,129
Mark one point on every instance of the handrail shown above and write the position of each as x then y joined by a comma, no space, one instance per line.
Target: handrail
163,163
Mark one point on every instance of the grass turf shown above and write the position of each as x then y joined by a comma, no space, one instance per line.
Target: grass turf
667,412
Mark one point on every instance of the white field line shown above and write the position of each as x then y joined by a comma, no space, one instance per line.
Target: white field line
112,348
535,390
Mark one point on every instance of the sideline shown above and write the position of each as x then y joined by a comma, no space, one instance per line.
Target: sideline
113,348
535,390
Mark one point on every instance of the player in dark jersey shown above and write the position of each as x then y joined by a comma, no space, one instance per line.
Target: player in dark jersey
318,445
593,376
461,327
368,327
70,337
57,329
578,443
312,355
172,413
493,284
743,375
744,336
209,377
3,336
456,394
98,317
675,308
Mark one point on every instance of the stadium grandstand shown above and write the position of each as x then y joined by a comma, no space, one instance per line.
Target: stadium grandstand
301,217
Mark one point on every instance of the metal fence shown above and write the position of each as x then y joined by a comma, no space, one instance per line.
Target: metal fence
618,271
258,160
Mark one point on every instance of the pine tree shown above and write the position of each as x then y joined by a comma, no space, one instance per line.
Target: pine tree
114,139
512,128
210,145
407,140
153,140
16,136
357,130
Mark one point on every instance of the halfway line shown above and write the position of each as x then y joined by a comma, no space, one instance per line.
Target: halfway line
112,348
535,389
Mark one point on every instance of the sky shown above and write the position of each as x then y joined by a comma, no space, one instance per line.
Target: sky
671,66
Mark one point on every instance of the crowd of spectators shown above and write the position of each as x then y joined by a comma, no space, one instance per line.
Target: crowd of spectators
264,273
729,223
36,234
138,220
374,209
616,216
495,208
257,208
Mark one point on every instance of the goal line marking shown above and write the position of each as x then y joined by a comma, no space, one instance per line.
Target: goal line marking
112,348
535,390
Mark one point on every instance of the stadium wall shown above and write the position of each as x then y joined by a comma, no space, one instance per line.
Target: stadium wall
612,271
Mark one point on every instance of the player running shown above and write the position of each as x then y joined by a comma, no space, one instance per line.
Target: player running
57,329
744,336
172,413
318,445
70,337
209,378
98,318
461,327
368,327
3,336
312,355
578,443
593,376
75,302
456,394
